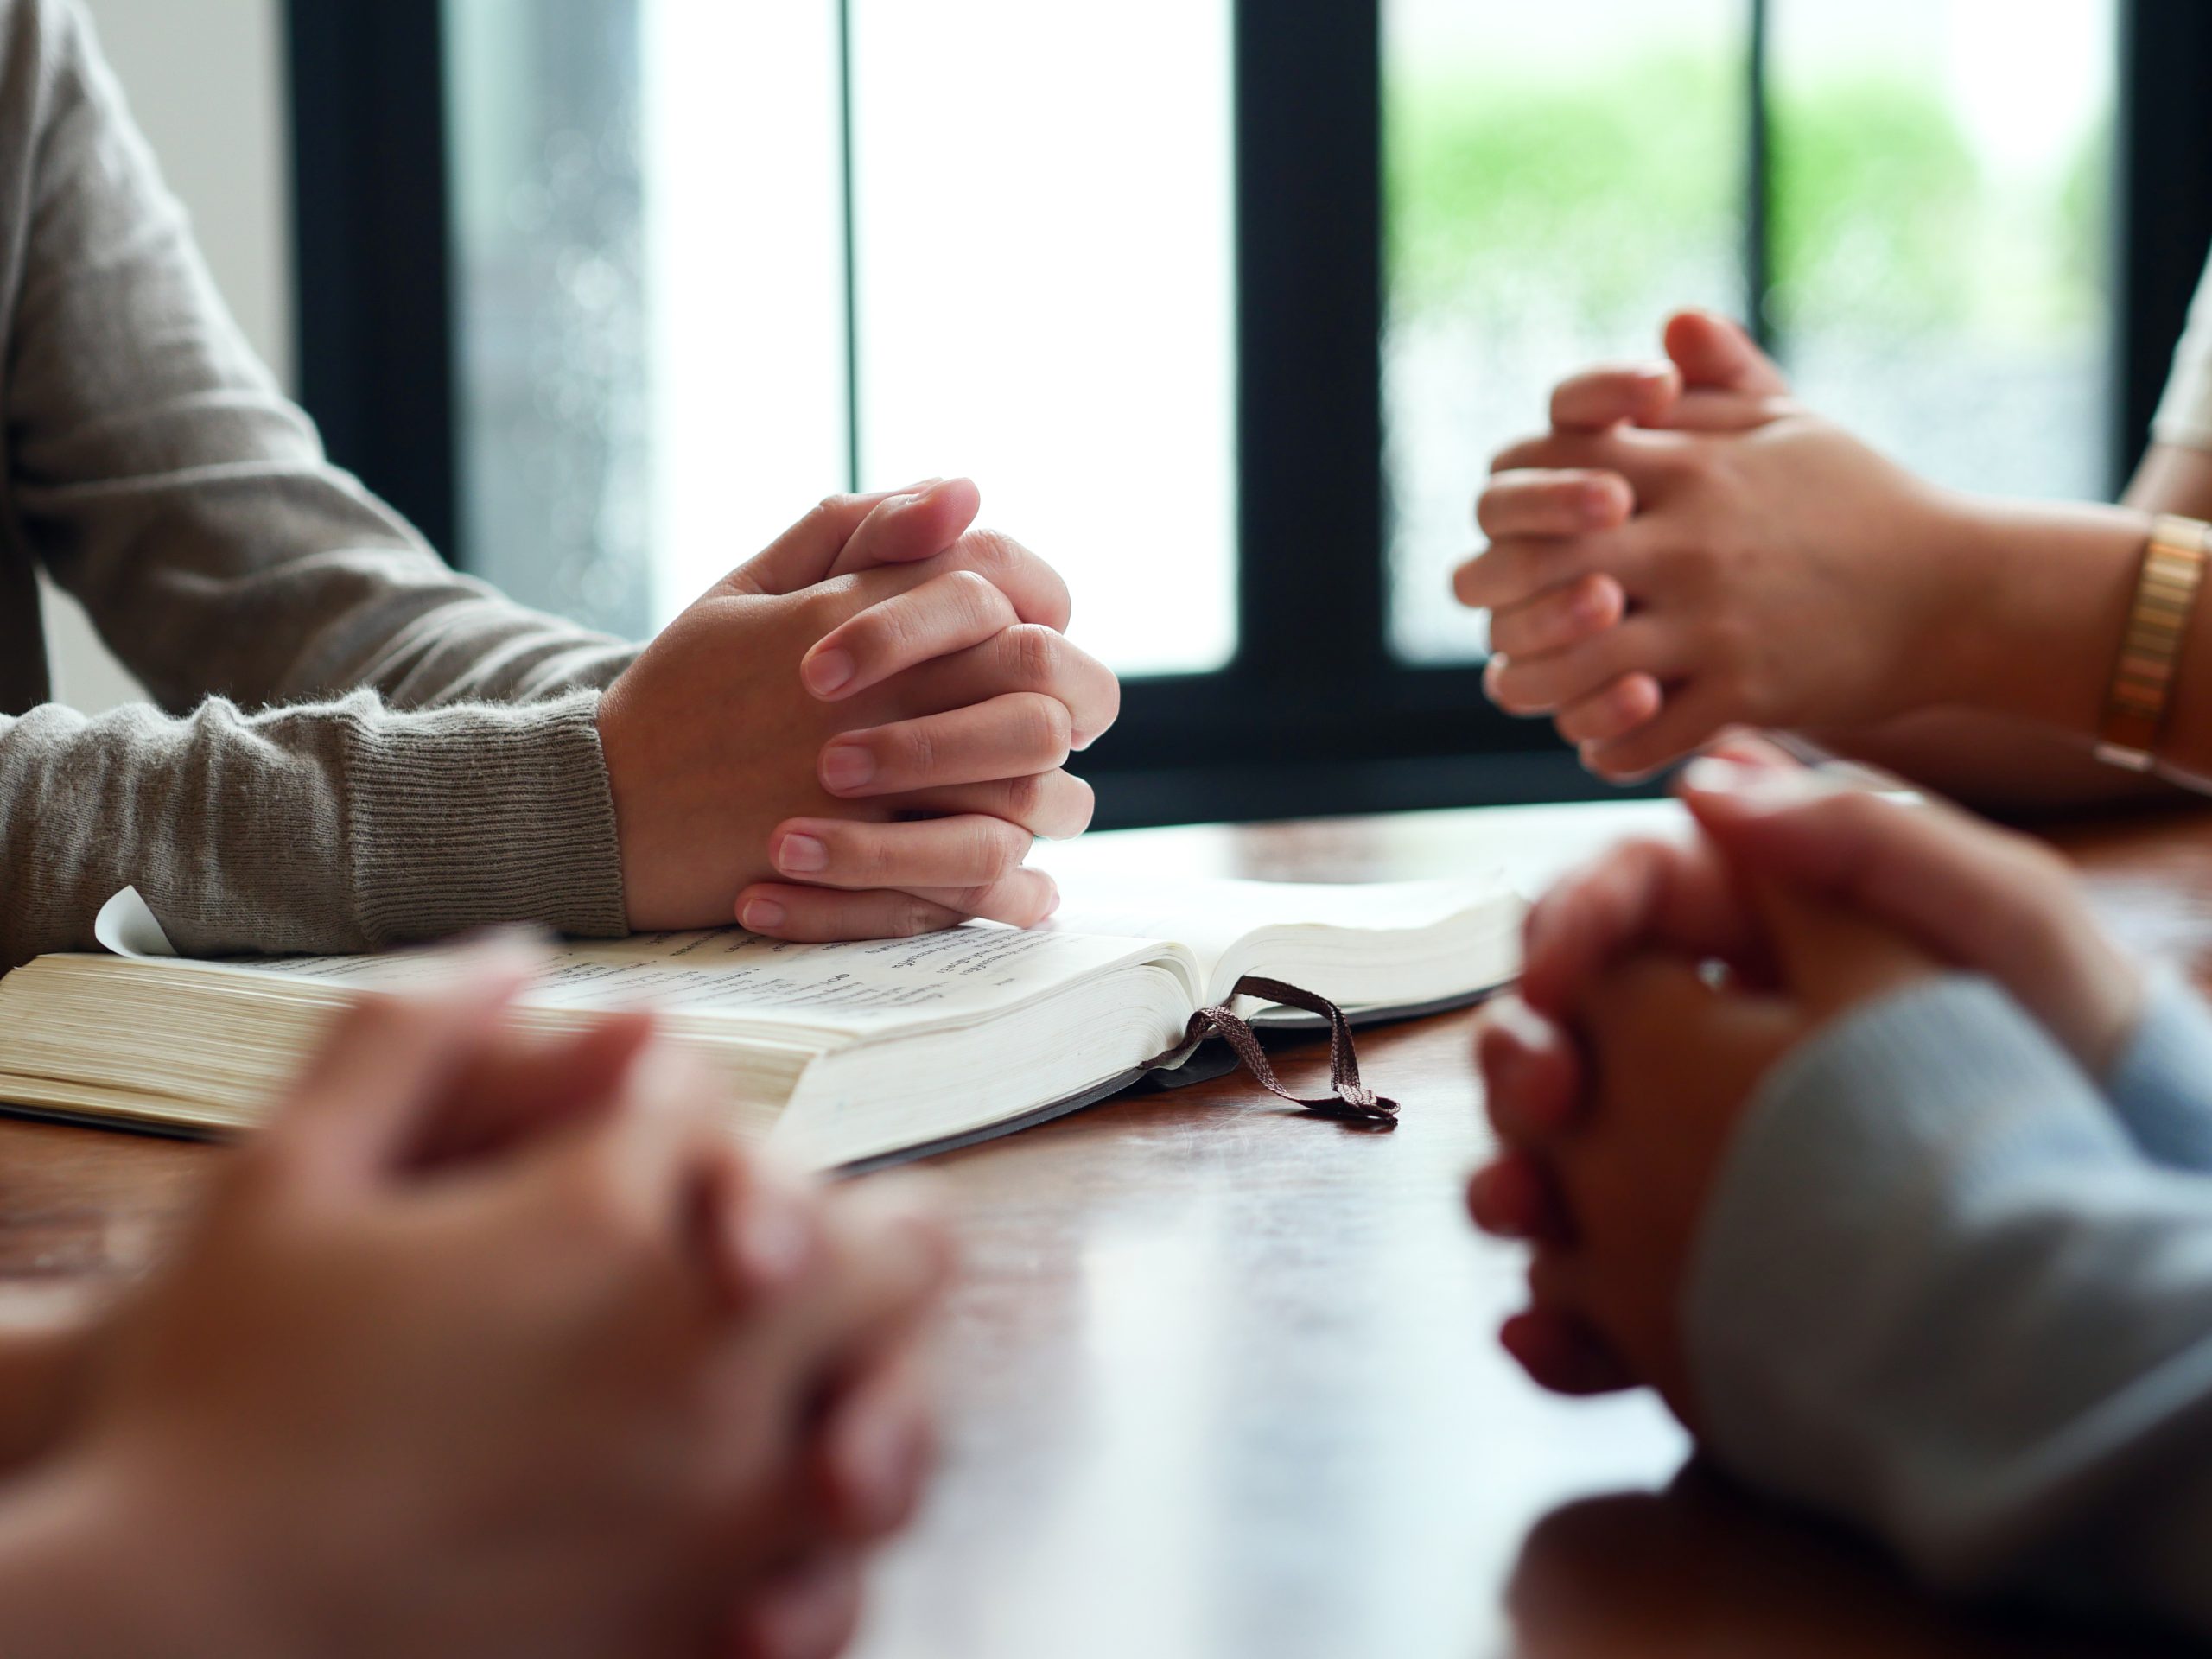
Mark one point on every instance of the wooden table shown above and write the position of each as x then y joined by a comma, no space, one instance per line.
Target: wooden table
1222,1379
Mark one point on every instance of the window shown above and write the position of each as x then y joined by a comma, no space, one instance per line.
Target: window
1941,232
694,298
1225,303
1559,177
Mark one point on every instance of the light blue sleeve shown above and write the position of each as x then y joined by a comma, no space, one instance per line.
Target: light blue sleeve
1939,1292
2161,1085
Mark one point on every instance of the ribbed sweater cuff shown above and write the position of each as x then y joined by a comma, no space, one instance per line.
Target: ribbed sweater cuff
475,815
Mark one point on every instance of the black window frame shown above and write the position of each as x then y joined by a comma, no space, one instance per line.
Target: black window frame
1314,714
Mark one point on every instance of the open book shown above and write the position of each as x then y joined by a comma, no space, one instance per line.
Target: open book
838,1053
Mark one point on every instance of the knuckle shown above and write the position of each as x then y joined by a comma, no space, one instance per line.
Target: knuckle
823,610
1025,798
885,633
907,750
1054,727
973,597
1033,656
985,552
995,850
866,855
972,901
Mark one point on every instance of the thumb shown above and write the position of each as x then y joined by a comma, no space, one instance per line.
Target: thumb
850,532
912,527
1716,354
1828,959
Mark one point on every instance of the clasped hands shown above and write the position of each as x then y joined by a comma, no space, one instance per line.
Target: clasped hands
858,733
522,1318
1663,984
1688,549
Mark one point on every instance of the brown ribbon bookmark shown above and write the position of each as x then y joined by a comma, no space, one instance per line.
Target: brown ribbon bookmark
1350,1101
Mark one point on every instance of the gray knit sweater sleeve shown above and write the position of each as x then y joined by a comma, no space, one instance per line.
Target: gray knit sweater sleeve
426,755
1941,1292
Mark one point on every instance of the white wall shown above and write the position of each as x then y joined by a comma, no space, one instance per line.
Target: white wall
206,79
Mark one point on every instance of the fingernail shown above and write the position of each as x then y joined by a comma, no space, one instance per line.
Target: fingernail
827,672
802,856
847,765
759,915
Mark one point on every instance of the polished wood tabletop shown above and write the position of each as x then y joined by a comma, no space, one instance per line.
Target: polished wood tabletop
1221,1380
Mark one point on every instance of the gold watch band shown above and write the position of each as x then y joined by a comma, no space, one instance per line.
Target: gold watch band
2149,649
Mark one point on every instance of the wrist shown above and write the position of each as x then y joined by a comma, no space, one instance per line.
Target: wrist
482,816
2040,598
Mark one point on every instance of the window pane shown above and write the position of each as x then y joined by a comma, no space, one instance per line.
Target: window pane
1046,293
1940,223
651,229
649,236
1559,177
744,280
548,218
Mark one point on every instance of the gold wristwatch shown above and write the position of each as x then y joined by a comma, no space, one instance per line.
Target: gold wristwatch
2149,649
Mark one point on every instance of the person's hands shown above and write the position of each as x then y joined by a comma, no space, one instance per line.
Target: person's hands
487,1346
857,733
1976,897
1674,1057
1714,378
1686,550
1956,891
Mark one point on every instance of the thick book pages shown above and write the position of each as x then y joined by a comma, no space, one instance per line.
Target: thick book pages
837,1054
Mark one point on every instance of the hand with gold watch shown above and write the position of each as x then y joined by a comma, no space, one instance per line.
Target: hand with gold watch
1689,549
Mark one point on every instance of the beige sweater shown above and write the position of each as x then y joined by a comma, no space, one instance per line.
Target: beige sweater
355,746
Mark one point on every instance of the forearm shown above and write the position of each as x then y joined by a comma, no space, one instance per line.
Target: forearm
2050,591
1940,1293
1994,764
335,827
155,468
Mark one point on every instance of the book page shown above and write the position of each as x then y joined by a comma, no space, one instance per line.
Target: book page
951,977
1211,918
